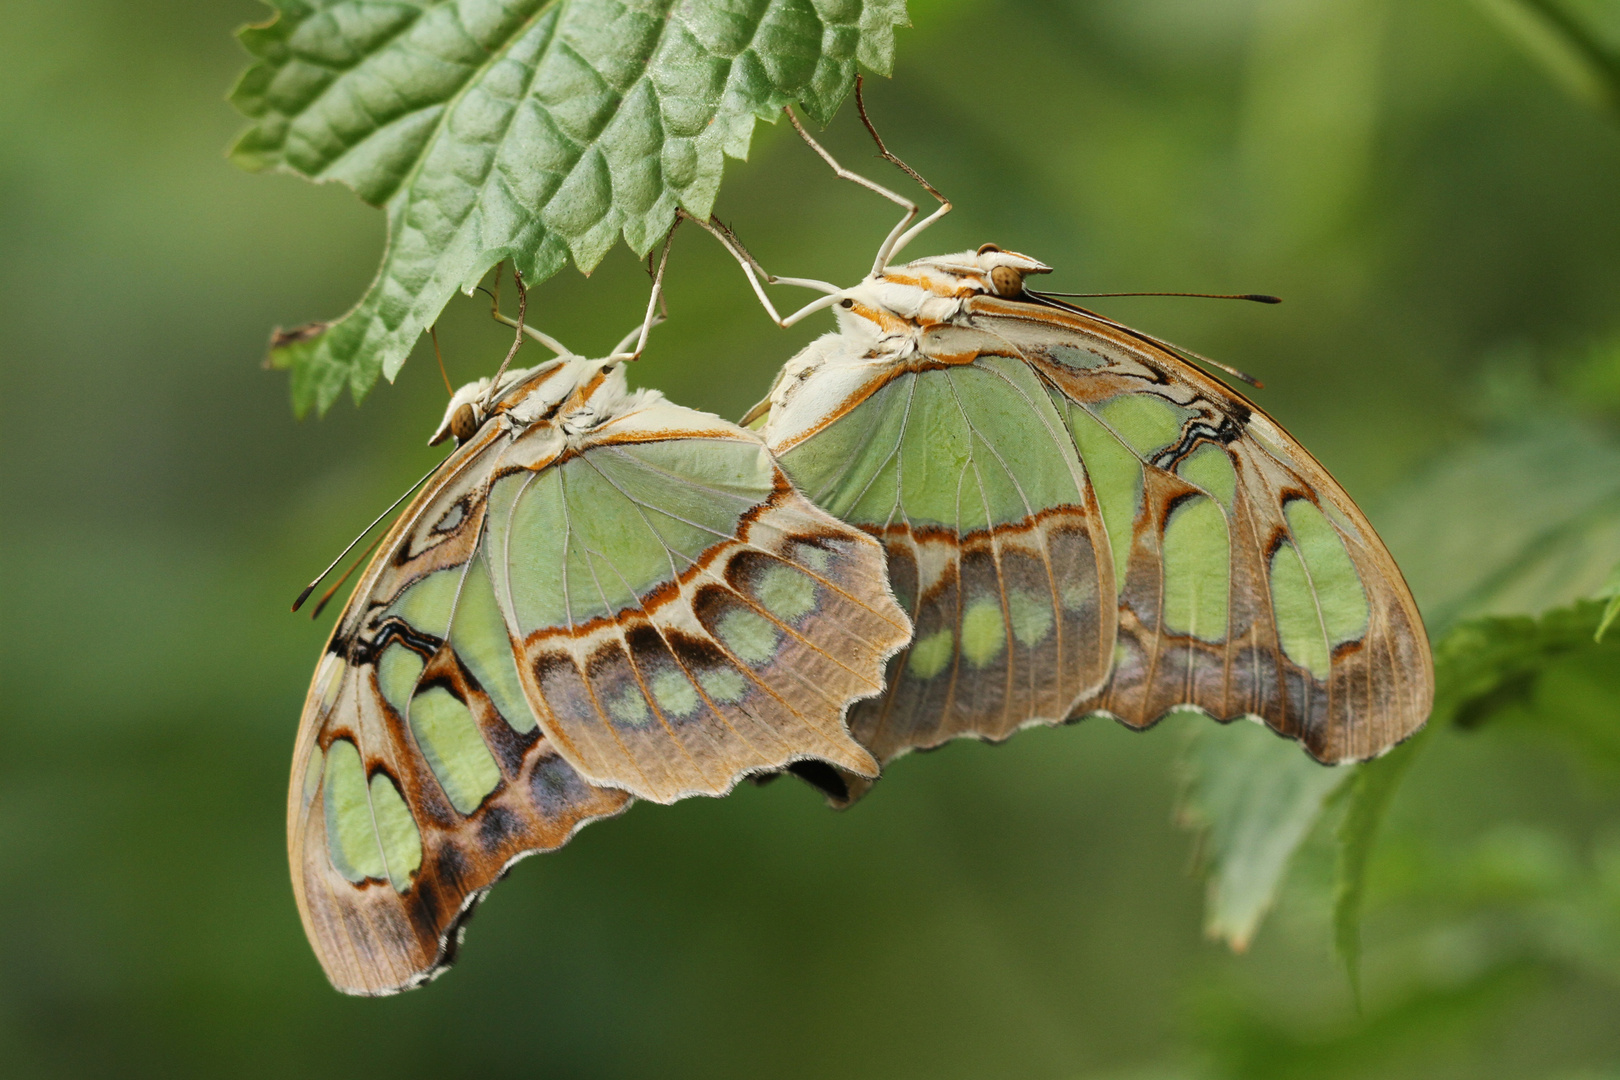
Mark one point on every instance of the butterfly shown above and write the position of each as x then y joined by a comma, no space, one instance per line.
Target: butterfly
1080,521
598,596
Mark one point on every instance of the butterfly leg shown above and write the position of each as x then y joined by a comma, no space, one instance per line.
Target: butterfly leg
903,232
755,272
506,320
517,342
655,313
883,152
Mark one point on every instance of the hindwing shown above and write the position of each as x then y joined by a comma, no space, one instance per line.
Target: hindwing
686,617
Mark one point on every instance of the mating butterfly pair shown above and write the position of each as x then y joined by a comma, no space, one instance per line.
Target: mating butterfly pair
969,509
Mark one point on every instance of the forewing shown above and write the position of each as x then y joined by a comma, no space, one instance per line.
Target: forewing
1249,583
687,617
996,547
420,773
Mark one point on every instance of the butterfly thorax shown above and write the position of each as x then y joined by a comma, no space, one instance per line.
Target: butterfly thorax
905,301
883,326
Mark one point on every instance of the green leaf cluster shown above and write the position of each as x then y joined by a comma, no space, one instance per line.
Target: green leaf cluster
532,130
1520,641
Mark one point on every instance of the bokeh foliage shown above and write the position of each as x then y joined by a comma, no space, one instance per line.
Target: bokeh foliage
1441,218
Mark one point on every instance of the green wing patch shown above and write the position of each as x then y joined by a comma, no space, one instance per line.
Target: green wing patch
1249,584
995,547
688,618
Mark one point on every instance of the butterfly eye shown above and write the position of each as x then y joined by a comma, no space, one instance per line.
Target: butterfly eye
986,248
1006,281
464,424
846,303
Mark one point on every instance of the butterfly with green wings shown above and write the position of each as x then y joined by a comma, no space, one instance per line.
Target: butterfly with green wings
598,596
1078,520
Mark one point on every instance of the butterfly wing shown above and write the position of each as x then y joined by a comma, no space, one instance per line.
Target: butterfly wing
420,772
686,617
1249,583
996,544
549,628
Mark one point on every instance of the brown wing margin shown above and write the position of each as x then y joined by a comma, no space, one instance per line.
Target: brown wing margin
1379,687
371,937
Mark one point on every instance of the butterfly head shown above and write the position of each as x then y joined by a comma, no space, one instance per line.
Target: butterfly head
464,415
570,391
989,271
472,405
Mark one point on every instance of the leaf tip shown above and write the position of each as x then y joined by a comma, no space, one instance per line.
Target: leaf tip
290,350
285,338
1610,613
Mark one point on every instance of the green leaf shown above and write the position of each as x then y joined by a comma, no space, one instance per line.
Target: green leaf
1521,520
1553,673
530,130
1591,378
1242,1042
1485,664
1370,793
1576,41
1482,668
1253,797
1610,592
1496,527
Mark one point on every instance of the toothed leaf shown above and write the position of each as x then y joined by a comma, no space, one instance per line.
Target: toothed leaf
530,130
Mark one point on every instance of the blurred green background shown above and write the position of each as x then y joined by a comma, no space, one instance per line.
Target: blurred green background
1443,220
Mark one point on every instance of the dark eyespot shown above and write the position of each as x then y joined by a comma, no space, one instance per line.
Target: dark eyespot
464,423
986,248
846,302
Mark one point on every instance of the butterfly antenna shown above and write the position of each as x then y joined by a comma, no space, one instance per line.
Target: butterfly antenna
1259,298
1236,373
326,597
298,603
433,332
1188,354
1184,353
